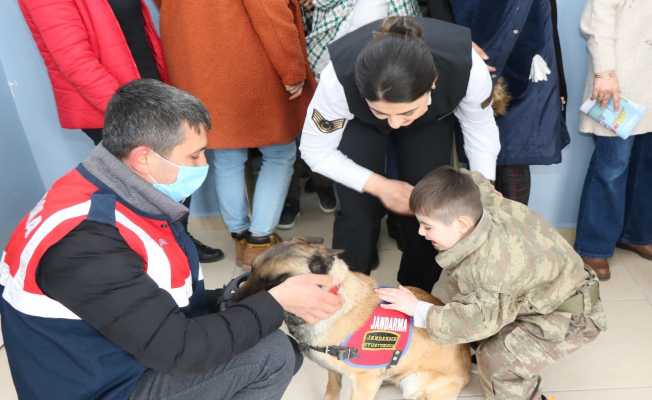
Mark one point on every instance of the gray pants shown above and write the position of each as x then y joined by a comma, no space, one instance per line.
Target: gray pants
262,372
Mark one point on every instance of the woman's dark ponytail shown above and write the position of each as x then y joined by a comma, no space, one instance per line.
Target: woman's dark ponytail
397,66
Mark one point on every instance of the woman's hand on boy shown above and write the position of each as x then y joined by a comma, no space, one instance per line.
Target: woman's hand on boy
400,299
394,194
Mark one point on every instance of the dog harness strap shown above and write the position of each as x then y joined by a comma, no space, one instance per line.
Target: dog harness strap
339,352
395,359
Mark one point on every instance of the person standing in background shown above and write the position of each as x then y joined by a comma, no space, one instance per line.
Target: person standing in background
333,19
247,62
519,40
90,48
330,20
615,207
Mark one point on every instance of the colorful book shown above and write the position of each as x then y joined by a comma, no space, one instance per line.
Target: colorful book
622,122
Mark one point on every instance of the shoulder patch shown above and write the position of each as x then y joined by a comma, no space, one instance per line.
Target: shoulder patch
324,125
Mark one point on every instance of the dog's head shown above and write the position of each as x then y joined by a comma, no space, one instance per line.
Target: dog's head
288,259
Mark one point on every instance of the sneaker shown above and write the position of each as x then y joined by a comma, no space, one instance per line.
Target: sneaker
288,217
207,254
327,200
255,245
326,195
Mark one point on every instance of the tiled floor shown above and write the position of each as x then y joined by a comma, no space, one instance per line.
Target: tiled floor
616,366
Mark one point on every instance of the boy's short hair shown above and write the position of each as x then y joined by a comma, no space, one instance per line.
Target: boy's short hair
445,194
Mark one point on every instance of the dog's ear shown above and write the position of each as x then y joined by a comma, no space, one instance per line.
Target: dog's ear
335,252
321,263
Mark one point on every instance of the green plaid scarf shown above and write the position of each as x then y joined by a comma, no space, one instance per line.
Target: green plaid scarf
328,16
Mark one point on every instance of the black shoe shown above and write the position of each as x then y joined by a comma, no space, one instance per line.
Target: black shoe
207,254
288,217
327,200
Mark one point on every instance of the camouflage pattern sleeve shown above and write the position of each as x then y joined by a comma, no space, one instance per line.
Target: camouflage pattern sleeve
472,317
445,288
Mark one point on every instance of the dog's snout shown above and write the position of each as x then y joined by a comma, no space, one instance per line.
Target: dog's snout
320,264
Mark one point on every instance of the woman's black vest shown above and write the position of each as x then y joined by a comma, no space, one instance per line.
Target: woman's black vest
451,49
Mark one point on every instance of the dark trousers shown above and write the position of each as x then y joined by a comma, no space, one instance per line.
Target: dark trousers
513,181
262,372
419,149
301,170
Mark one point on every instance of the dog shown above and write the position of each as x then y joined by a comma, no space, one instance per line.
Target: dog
426,370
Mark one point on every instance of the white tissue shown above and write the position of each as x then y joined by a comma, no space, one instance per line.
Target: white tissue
539,70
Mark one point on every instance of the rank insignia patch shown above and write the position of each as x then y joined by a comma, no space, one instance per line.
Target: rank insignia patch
325,125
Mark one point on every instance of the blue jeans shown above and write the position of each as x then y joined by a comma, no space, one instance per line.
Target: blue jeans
271,187
617,196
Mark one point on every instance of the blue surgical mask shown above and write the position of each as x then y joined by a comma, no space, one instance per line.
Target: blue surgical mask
189,179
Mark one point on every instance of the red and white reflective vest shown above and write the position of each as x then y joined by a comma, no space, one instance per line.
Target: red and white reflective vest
61,210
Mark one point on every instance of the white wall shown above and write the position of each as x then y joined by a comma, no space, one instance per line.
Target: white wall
556,189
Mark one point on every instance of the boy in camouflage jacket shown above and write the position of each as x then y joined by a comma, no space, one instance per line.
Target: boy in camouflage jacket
511,283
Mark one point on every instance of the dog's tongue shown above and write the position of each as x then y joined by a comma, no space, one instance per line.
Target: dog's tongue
335,290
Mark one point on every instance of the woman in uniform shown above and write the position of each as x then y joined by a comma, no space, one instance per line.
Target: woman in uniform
410,79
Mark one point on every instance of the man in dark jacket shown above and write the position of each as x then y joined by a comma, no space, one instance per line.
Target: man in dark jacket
102,291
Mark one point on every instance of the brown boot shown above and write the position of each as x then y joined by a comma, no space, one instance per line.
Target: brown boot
600,266
255,246
240,242
643,250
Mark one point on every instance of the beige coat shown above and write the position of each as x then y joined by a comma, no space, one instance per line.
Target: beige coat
619,38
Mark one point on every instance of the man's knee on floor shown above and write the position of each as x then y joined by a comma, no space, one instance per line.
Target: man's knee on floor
298,355
283,352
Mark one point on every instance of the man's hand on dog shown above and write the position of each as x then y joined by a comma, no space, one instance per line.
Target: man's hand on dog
307,297
400,299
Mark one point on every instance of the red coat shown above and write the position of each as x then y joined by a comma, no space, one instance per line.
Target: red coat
86,55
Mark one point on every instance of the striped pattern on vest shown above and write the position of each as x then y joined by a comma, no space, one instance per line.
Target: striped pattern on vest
60,211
